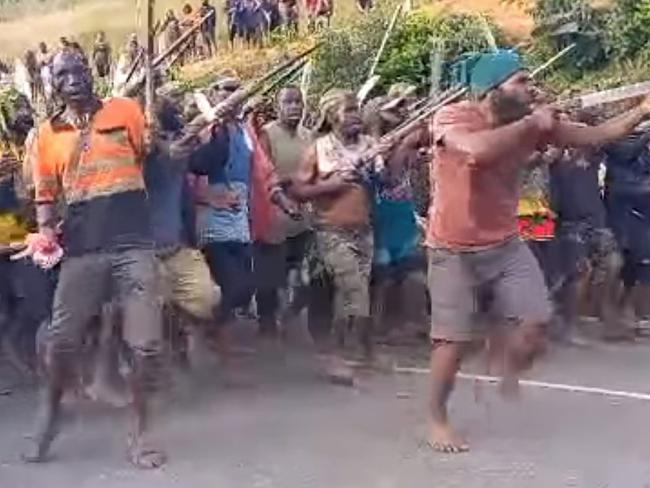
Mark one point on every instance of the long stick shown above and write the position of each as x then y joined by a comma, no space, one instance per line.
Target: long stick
286,77
241,95
287,64
134,66
186,35
408,126
551,61
161,58
148,60
384,41
177,55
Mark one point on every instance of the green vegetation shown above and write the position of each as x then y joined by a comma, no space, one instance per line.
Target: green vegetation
348,53
612,42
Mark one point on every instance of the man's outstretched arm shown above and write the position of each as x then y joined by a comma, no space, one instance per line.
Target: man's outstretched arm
570,134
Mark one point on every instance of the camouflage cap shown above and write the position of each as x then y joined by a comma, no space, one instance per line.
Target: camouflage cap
329,102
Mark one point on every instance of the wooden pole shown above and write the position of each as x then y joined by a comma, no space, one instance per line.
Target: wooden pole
181,40
148,63
384,41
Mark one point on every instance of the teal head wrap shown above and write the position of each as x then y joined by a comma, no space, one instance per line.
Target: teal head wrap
484,71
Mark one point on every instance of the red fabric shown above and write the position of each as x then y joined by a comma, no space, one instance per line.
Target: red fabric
536,229
262,210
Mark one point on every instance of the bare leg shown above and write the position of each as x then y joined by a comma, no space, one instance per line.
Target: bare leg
58,370
523,345
610,309
365,330
445,362
336,368
105,385
142,383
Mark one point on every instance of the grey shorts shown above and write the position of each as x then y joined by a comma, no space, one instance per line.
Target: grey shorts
503,283
88,282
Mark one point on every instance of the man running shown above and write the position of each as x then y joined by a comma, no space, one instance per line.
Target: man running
480,147
90,154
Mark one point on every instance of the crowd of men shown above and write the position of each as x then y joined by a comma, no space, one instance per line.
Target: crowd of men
126,222
252,21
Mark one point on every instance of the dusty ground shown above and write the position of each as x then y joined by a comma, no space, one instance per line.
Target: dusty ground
288,429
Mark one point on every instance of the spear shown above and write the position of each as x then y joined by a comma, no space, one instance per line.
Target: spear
148,60
551,61
372,79
384,41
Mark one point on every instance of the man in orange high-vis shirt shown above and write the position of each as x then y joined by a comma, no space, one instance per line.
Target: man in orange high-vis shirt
89,155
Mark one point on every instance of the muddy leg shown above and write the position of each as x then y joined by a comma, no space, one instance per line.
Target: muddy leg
59,370
142,383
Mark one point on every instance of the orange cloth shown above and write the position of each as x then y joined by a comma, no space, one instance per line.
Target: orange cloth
111,162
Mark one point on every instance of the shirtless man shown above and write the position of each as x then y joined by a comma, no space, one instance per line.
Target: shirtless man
329,177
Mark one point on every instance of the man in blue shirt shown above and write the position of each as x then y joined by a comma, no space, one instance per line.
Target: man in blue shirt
224,155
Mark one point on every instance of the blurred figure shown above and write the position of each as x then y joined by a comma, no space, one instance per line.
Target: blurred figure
102,56
209,27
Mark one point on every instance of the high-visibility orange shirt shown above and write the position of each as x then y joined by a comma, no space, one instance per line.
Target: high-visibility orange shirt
99,177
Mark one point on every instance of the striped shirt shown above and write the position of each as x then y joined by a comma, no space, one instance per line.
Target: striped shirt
97,170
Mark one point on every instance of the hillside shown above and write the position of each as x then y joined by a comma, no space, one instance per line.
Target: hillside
81,19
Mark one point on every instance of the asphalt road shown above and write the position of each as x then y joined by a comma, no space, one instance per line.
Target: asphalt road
286,428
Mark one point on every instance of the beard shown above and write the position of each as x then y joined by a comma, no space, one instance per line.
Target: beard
508,109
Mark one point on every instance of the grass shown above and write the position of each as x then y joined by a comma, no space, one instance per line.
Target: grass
81,19
78,20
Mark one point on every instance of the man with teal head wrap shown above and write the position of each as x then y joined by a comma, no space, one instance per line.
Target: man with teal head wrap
492,69
480,147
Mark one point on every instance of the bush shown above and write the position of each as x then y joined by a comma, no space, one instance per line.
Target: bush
610,40
409,54
347,54
628,28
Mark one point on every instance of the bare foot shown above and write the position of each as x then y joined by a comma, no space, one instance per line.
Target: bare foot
38,449
143,456
443,438
338,372
509,387
34,455
108,395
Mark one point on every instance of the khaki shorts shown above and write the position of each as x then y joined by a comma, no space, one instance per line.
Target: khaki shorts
187,283
504,283
347,256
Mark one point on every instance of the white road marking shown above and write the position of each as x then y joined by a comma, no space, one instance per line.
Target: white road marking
540,384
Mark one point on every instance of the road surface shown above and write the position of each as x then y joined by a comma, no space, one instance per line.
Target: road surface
286,428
